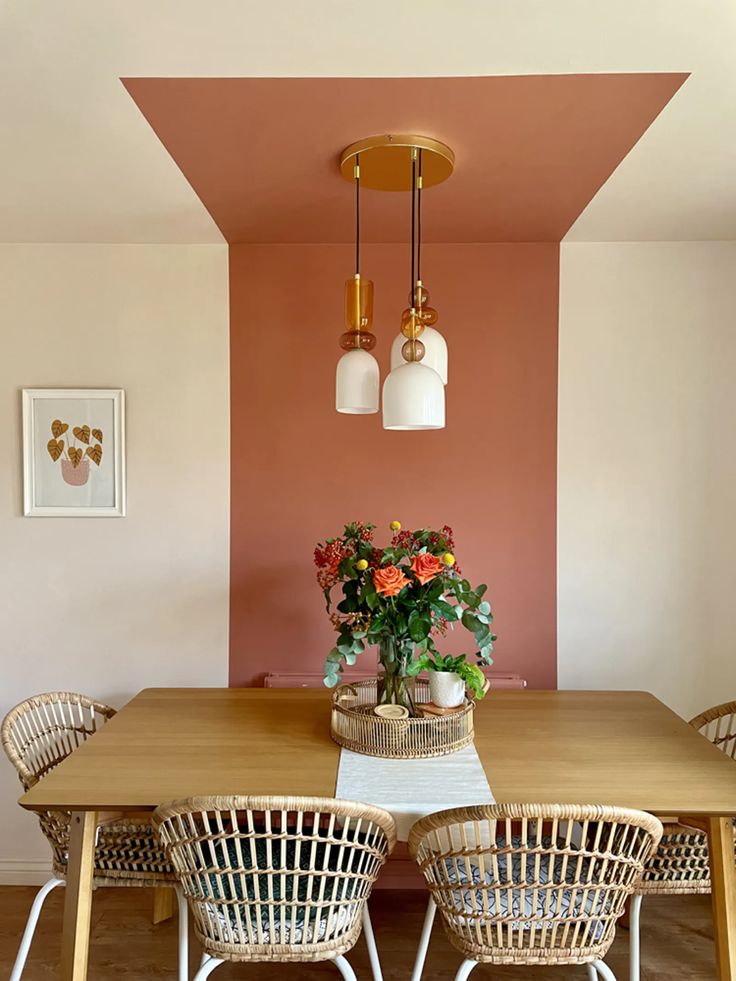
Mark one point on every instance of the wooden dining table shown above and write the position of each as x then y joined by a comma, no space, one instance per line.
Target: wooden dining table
577,747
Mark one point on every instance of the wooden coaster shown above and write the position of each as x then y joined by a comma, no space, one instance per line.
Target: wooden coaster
392,711
429,708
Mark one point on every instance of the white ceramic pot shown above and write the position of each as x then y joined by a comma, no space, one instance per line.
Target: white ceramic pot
446,689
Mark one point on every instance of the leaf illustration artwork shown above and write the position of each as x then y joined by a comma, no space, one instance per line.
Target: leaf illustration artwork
82,433
94,453
58,428
75,456
97,433
55,448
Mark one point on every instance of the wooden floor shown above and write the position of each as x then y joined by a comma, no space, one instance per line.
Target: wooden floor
677,943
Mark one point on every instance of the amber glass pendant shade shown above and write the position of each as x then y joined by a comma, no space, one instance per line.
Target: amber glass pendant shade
358,315
358,303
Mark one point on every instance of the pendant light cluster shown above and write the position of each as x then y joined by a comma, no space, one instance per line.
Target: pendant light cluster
414,391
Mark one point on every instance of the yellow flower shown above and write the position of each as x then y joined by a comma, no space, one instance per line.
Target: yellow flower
361,565
395,526
448,558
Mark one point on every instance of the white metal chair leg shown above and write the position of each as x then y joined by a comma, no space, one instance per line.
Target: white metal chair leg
604,970
592,973
183,934
635,939
423,947
25,944
207,967
465,968
345,969
370,942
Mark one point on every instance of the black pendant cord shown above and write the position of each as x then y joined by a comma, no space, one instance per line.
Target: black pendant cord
413,220
419,222
357,214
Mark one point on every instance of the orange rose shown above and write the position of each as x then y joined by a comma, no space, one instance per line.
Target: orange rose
389,581
425,567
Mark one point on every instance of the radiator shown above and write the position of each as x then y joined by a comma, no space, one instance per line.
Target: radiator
280,679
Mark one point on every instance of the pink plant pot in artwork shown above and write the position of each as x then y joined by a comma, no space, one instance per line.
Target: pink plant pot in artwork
76,476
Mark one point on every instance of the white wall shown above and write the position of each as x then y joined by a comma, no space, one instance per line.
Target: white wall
647,470
109,606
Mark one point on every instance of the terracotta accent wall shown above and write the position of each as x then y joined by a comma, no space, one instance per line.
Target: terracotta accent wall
531,150
299,470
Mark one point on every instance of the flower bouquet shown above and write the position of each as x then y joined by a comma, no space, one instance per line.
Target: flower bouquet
400,598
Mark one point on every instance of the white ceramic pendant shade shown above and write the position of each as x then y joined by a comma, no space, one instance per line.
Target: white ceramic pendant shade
356,384
413,398
435,351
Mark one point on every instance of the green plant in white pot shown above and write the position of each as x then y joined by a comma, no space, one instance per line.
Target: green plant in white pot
449,677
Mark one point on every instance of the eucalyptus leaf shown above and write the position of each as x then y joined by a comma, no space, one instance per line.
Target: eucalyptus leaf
469,621
443,609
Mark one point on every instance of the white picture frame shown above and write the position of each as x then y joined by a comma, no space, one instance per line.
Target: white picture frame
82,474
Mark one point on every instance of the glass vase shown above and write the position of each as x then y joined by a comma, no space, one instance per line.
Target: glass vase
395,686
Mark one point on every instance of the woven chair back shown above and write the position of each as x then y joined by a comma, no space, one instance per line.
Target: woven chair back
275,877
533,884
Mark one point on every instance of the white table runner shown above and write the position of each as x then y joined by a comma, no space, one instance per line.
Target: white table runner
410,789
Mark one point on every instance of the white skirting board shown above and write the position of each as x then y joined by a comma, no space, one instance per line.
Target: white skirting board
24,873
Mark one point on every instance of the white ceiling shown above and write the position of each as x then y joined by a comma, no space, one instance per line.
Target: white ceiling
79,162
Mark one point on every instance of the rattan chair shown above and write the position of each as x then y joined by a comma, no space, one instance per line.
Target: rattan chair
530,884
39,734
277,878
680,866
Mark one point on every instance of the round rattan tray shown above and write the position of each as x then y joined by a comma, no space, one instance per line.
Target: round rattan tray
355,726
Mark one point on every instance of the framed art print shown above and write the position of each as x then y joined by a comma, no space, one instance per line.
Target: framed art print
74,452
